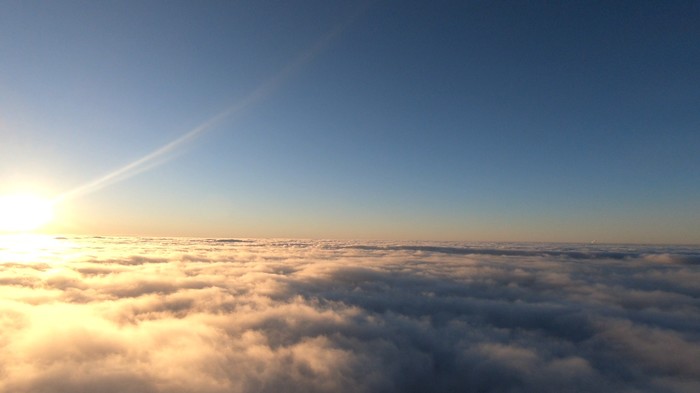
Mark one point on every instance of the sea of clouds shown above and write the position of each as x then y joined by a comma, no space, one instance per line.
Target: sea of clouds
234,315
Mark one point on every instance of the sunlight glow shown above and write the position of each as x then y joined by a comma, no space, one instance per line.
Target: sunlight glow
24,212
32,248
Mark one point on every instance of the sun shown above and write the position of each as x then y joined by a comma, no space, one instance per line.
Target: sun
24,212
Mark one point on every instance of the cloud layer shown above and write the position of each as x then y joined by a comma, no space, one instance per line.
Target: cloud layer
229,315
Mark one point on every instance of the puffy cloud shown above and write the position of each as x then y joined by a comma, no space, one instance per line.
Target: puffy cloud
229,315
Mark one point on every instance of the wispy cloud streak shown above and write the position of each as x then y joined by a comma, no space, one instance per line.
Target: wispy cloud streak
269,86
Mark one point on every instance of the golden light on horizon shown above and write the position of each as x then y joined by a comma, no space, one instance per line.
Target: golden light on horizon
24,212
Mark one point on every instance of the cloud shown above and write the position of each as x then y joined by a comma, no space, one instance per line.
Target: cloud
205,315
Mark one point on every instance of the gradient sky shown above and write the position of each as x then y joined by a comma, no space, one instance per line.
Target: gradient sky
465,120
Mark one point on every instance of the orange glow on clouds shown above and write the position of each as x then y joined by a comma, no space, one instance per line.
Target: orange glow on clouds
179,315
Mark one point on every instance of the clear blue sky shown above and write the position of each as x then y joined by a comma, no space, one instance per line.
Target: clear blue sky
465,120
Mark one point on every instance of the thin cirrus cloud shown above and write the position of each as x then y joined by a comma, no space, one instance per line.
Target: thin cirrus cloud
165,152
193,315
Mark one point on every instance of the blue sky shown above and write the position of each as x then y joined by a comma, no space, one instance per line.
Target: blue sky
462,120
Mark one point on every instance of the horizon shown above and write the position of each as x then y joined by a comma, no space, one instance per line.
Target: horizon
339,239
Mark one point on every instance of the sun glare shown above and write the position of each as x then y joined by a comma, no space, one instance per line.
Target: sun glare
24,212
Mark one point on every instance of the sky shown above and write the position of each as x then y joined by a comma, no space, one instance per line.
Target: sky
464,120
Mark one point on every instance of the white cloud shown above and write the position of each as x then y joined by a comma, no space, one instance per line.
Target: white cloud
179,315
